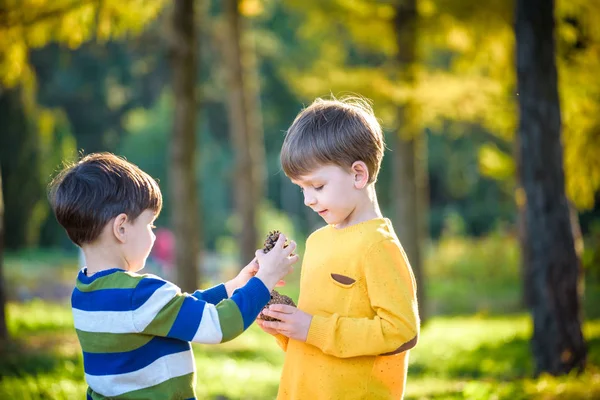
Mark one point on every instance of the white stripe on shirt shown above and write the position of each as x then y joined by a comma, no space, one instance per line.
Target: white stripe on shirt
209,330
161,370
125,321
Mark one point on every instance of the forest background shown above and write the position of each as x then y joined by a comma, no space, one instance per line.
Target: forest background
200,94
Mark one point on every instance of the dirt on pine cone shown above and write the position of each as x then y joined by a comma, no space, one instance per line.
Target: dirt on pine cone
276,297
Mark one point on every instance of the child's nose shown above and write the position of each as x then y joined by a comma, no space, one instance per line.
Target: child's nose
309,200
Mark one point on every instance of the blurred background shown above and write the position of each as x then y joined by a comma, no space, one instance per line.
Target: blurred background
491,172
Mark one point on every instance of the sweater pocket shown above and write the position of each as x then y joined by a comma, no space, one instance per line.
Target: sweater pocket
343,281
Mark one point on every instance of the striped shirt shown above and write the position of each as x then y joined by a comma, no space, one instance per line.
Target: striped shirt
135,331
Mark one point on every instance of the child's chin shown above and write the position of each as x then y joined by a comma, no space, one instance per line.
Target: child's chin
140,266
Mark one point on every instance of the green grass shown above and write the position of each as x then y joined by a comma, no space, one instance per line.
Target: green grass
482,275
476,357
467,350
48,274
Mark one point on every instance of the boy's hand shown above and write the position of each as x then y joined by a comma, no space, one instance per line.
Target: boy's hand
292,323
242,278
277,263
270,331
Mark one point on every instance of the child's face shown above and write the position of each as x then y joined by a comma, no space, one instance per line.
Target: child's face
330,191
140,240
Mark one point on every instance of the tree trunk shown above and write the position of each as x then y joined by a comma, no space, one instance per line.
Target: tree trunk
20,157
410,154
245,127
3,328
558,345
182,173
526,278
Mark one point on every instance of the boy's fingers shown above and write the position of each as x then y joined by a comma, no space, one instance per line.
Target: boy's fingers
272,325
280,241
282,317
282,308
262,326
293,259
291,247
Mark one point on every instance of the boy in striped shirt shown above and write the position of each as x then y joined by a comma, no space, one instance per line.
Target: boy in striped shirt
135,330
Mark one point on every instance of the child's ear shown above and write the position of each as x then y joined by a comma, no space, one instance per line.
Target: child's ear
361,174
120,228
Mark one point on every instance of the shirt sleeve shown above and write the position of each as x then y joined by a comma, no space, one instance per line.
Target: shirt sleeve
391,290
213,295
161,309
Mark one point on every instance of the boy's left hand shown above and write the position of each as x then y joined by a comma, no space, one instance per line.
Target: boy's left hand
244,276
292,323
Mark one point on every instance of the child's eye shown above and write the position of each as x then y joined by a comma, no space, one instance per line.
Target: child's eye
318,188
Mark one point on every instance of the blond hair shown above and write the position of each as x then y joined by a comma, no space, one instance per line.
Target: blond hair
337,132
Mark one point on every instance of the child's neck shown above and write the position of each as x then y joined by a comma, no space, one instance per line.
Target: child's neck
365,210
100,257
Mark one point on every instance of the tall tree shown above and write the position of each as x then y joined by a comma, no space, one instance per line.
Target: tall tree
245,126
3,328
410,177
20,157
36,133
558,344
182,173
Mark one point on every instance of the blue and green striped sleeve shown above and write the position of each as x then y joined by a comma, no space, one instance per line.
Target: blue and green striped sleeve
161,309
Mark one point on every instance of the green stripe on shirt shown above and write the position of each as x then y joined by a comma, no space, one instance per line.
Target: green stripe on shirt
179,388
98,342
117,280
163,321
230,318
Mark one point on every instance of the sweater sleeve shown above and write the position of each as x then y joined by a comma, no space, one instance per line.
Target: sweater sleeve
161,309
213,295
391,291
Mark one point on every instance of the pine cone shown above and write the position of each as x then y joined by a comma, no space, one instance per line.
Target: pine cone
270,241
276,297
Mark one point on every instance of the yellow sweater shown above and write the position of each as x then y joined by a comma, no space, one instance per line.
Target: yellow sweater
360,289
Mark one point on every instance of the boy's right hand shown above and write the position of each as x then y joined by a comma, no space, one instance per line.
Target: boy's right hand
277,263
270,331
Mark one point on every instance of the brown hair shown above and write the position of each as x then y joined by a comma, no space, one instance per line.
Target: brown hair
85,196
337,132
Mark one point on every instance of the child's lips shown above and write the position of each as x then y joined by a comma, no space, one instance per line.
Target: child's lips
322,212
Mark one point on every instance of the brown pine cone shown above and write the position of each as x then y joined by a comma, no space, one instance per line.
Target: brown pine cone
270,241
276,297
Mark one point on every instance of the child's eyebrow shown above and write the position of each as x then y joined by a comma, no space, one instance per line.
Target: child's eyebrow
307,181
300,182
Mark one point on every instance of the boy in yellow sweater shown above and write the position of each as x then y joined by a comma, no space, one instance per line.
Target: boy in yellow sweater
357,313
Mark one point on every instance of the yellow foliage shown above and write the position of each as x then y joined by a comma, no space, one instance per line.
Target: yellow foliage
251,8
495,163
29,24
465,72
